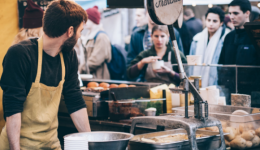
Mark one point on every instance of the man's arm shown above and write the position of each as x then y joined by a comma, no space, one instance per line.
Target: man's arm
80,120
13,127
13,84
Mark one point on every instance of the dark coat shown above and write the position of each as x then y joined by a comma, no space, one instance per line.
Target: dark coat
186,38
194,26
238,49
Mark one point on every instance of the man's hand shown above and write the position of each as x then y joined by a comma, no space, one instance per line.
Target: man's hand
13,127
80,120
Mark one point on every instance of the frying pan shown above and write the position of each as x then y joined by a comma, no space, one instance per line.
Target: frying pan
167,12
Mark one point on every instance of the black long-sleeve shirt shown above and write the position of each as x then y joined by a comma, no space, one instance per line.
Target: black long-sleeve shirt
20,69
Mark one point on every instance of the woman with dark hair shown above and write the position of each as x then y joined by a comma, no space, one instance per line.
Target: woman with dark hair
208,44
161,50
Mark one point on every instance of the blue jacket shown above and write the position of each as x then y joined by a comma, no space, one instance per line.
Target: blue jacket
136,44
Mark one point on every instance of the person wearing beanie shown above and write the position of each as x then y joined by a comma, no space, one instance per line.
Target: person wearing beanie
32,23
97,46
36,73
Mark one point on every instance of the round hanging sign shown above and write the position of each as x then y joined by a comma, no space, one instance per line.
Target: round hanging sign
164,12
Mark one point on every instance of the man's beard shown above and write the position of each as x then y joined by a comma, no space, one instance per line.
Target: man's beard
68,45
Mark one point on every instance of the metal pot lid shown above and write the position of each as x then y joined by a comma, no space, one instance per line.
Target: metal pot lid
164,12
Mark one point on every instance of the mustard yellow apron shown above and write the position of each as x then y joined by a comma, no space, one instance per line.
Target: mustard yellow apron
39,120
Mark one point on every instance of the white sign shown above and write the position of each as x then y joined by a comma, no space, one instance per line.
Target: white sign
168,11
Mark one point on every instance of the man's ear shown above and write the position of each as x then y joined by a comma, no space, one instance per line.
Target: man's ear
70,31
247,13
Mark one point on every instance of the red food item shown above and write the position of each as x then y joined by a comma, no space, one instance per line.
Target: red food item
92,84
104,85
123,85
113,86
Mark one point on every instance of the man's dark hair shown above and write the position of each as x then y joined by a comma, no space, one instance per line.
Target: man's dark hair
243,4
60,15
188,12
218,11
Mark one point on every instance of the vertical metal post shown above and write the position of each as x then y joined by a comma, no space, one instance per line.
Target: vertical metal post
206,110
176,51
196,101
186,92
164,102
200,111
236,79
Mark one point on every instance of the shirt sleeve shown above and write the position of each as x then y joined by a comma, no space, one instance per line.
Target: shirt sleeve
71,90
133,71
16,66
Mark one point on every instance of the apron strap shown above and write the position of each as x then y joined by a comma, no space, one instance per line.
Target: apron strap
39,68
170,57
62,67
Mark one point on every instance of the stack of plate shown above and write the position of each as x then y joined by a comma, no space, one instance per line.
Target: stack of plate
75,143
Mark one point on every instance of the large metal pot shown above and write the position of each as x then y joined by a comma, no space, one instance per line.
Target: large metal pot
105,140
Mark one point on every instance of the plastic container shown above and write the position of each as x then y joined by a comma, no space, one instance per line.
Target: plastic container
240,120
124,109
194,59
150,112
157,64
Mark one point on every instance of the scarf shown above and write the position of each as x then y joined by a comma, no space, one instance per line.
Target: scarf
206,50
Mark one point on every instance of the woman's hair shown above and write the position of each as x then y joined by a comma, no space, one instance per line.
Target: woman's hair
218,11
162,28
24,34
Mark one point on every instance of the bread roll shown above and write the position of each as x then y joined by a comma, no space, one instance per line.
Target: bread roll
113,86
231,134
238,143
92,84
249,144
256,141
248,135
257,132
123,85
104,85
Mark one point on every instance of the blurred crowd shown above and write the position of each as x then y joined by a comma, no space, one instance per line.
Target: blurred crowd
220,39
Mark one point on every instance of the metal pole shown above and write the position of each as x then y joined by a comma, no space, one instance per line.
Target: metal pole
176,51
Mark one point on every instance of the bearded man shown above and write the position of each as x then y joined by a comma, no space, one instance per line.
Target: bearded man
35,74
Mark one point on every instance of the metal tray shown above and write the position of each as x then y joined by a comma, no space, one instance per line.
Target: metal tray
211,140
